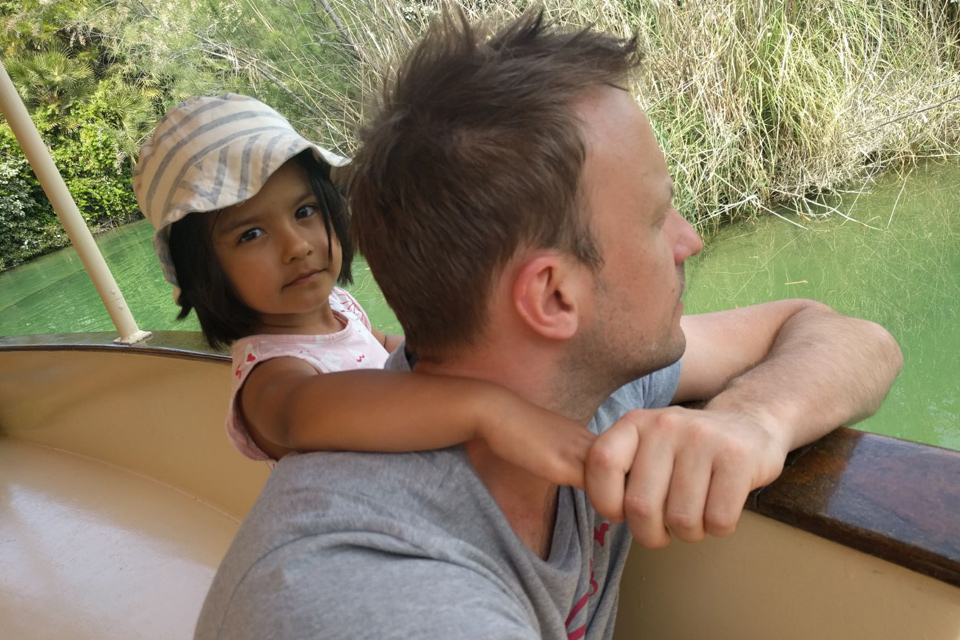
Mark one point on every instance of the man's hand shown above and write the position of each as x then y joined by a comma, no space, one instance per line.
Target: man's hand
681,471
776,376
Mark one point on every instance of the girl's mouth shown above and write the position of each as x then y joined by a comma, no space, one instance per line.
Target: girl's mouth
302,278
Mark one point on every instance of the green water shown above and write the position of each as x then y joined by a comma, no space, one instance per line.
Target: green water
899,265
54,295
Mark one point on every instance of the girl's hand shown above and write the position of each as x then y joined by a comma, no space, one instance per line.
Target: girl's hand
544,443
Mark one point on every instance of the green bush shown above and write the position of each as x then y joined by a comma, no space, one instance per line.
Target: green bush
87,150
28,225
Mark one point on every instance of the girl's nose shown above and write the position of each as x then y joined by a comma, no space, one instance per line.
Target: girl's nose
296,246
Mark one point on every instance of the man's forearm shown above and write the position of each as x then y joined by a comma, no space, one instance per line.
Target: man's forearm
824,370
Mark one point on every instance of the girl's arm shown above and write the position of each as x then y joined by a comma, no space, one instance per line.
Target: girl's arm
390,341
290,407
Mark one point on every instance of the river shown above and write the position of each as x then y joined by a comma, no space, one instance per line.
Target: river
891,255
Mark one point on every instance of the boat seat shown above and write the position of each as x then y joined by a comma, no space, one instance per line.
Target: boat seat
92,550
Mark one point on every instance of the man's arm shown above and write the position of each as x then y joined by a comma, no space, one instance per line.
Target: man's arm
775,376
810,367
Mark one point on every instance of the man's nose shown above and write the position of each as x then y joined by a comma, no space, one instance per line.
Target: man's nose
688,241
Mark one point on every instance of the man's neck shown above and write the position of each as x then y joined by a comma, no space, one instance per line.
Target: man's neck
528,502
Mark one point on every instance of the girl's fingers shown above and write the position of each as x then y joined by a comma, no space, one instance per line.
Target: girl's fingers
550,447
564,456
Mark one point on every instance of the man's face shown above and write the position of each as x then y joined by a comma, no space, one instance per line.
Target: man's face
643,240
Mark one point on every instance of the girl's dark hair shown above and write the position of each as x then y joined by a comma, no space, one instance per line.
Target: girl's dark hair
223,316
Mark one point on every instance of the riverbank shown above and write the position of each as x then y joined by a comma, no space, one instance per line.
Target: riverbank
761,104
53,238
756,104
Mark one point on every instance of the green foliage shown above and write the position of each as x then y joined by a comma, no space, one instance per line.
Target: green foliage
50,77
88,153
755,103
87,150
91,107
27,225
760,104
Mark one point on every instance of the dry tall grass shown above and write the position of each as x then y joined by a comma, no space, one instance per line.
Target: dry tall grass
756,103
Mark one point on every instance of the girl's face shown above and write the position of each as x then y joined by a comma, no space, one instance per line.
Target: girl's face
273,248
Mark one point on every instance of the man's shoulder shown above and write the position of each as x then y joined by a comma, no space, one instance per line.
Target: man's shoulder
324,487
328,526
416,500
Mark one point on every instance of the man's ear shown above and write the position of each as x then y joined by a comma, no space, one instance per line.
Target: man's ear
546,295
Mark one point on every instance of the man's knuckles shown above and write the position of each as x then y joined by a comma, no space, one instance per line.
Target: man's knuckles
605,457
640,507
721,522
687,526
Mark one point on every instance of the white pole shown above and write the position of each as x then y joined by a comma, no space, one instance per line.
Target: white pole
39,157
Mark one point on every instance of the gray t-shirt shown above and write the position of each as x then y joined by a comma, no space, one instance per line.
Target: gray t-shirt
412,545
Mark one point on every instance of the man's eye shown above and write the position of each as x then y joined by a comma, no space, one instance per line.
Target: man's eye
249,234
305,211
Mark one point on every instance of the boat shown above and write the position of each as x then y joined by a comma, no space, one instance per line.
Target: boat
119,495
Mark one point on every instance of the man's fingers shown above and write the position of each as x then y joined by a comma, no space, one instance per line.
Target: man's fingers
608,463
646,492
725,501
687,498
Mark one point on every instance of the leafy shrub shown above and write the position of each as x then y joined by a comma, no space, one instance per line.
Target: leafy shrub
87,149
28,225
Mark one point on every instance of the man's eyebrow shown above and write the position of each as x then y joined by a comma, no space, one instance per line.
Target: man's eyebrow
615,86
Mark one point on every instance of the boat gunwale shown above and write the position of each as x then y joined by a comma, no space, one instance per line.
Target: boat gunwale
173,344
893,499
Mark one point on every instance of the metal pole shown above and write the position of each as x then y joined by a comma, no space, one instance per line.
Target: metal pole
37,154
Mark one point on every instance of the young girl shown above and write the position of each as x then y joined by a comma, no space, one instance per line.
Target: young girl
252,234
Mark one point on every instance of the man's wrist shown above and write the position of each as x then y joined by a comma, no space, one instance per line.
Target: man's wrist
776,423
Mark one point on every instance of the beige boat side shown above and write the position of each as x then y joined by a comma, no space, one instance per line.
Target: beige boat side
121,495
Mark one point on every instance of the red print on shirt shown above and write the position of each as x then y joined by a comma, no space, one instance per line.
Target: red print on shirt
250,358
599,537
581,631
600,533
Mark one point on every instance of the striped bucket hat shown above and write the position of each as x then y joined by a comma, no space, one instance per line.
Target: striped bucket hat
211,153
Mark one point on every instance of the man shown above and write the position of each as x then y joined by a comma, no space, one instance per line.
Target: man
513,203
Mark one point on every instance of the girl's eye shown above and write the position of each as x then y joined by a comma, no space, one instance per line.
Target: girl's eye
250,234
305,211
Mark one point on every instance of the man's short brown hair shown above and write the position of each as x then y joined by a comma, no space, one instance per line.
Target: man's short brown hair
475,152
